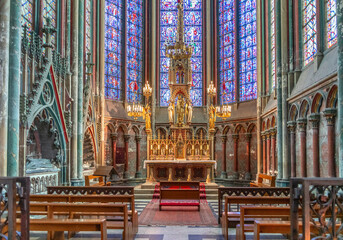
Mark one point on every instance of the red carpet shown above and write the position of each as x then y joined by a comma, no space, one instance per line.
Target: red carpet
177,215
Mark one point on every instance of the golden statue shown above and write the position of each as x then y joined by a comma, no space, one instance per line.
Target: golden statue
212,120
180,111
146,116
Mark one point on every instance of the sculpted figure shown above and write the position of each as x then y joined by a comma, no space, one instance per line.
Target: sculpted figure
171,112
190,114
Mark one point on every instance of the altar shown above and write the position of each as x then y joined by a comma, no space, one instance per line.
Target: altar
180,170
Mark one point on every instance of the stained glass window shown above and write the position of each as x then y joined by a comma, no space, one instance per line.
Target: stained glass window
88,25
309,30
272,43
247,50
226,34
50,11
113,48
331,23
134,49
27,14
193,22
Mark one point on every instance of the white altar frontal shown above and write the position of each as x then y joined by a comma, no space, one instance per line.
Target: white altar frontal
180,170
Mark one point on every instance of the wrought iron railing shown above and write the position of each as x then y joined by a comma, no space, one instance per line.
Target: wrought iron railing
321,201
14,195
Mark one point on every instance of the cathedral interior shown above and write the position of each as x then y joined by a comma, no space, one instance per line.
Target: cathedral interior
215,91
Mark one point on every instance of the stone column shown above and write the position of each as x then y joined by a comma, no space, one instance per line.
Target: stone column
340,84
273,146
268,152
80,130
314,119
302,131
126,169
14,89
114,137
291,128
248,164
4,51
330,115
235,138
138,156
224,173
74,89
264,157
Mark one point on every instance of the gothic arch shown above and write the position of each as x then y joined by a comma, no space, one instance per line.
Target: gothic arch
273,121
238,129
317,103
226,129
304,108
293,113
251,126
331,100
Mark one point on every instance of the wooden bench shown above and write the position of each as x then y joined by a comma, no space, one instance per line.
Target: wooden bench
179,194
106,190
264,180
231,219
100,182
76,209
132,213
72,225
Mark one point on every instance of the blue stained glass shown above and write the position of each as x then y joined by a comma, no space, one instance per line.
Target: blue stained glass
50,11
193,22
247,50
309,30
226,33
26,14
113,48
331,23
134,49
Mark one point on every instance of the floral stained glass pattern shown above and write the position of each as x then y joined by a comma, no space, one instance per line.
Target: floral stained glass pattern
309,30
272,43
26,14
88,25
50,11
193,22
134,49
247,50
113,48
331,24
226,33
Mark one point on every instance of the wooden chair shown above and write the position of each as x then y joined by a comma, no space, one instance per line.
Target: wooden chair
264,180
100,182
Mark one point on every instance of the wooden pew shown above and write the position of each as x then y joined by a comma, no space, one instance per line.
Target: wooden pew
100,209
249,191
264,180
100,183
132,213
61,225
106,190
230,218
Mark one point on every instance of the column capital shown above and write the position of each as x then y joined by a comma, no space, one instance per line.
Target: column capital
302,122
138,138
314,118
267,134
292,125
247,137
223,138
127,137
114,136
273,132
235,137
330,114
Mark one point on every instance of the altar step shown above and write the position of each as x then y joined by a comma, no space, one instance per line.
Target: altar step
146,191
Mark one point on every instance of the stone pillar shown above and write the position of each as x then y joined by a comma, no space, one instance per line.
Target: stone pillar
264,162
291,128
330,115
138,156
74,89
248,164
224,173
273,147
302,131
314,119
235,138
4,51
80,129
14,89
114,137
126,169
340,84
268,152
